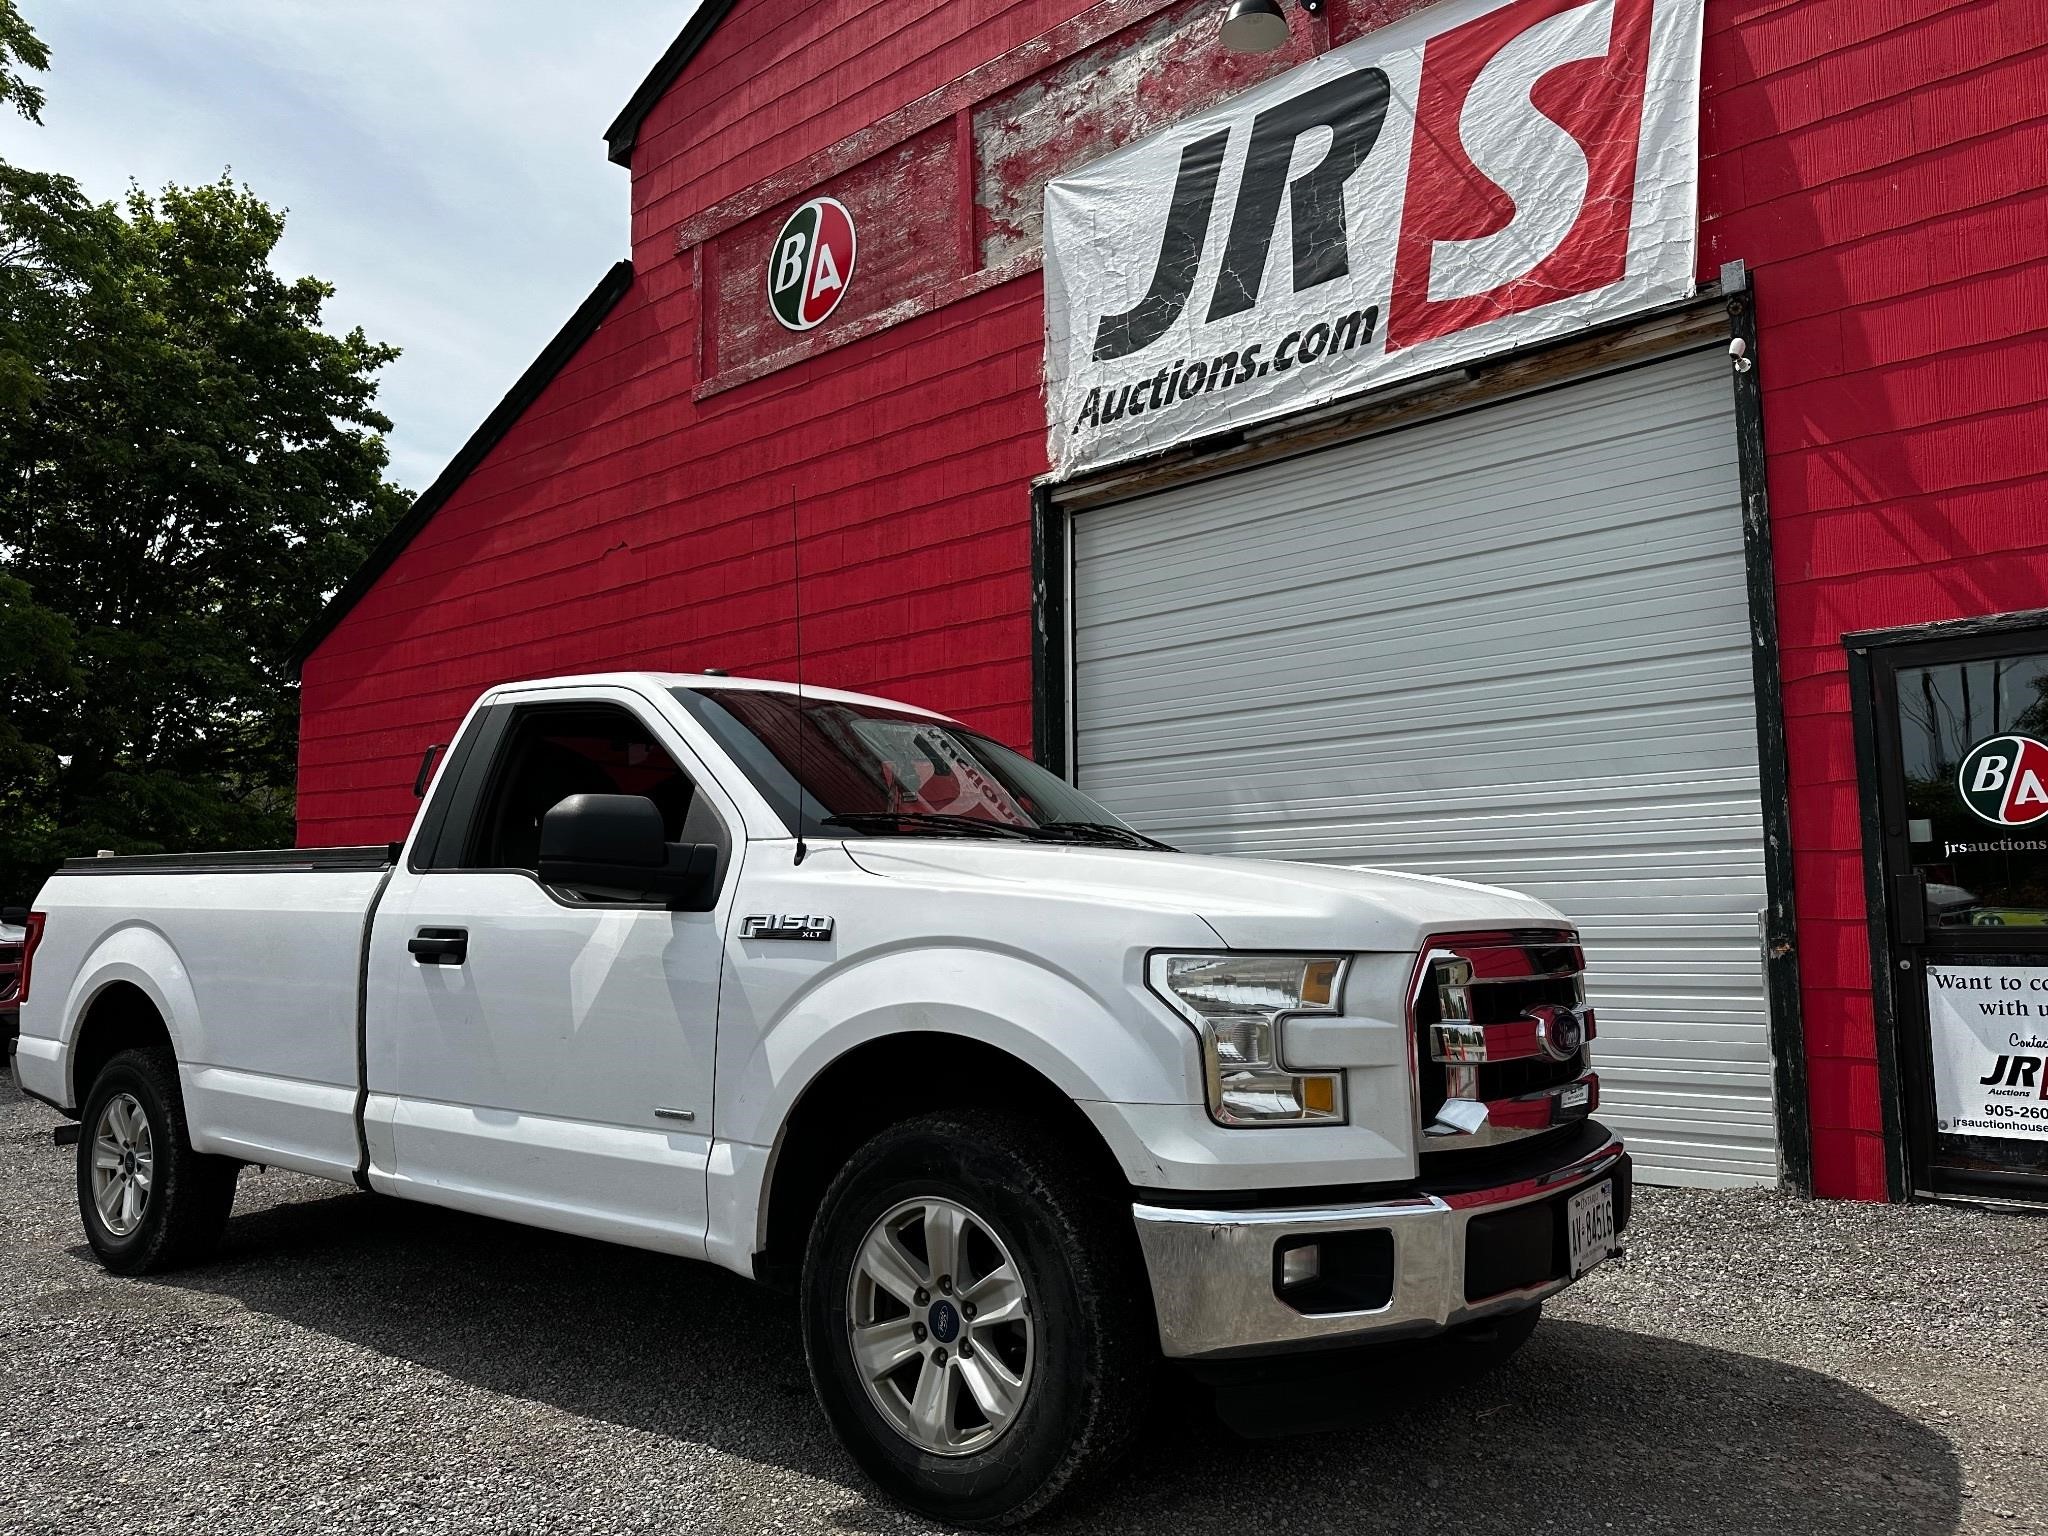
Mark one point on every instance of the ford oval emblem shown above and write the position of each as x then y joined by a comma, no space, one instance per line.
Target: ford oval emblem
1561,1030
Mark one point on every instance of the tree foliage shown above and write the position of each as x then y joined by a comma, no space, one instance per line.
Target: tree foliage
20,49
189,463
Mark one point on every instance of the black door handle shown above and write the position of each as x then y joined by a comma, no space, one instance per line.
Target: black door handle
440,946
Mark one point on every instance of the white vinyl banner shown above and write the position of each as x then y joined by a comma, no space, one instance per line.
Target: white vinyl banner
1990,1035
1469,180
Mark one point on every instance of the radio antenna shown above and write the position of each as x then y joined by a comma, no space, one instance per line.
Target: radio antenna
796,587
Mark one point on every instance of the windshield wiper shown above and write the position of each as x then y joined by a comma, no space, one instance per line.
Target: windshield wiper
1105,831
936,822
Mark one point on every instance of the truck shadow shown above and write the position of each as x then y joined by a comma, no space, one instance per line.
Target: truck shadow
1590,1428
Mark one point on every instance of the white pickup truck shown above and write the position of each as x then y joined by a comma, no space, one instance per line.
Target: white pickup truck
837,993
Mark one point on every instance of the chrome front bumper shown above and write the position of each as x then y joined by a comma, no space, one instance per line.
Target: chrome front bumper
1215,1280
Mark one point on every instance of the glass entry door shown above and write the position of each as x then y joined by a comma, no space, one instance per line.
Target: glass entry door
1960,741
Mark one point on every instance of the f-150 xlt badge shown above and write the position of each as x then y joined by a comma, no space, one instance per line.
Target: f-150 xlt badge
793,926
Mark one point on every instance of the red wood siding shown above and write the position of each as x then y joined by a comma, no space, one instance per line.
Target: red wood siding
1878,165
1876,162
621,525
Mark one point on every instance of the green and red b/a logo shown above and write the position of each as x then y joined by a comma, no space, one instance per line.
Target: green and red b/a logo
2005,780
811,263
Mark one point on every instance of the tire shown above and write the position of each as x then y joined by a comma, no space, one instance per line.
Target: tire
168,1204
1078,1341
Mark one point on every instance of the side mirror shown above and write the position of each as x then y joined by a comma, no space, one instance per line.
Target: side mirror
612,845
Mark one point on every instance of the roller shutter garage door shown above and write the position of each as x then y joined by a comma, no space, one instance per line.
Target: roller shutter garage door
1511,646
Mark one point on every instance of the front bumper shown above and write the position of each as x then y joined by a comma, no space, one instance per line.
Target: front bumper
1403,1266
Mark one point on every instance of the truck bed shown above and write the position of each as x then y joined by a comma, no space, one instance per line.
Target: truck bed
253,959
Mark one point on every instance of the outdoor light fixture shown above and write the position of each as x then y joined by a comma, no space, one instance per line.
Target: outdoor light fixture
1254,26
1259,26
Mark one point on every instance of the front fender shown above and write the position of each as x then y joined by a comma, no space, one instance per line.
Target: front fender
1089,1047
1094,1049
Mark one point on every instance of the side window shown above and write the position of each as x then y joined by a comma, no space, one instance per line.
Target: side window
552,751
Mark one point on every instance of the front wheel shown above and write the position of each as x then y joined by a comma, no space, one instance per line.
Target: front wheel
975,1317
148,1201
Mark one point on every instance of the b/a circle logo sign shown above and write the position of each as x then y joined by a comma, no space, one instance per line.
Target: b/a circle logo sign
2005,780
811,263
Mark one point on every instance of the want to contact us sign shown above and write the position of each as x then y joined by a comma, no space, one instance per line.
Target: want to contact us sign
1990,1027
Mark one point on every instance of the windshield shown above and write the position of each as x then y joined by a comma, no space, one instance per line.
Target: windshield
867,770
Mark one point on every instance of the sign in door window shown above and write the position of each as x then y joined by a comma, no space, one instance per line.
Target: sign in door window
1973,737
1989,1025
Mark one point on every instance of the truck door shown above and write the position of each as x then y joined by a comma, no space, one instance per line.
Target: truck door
541,1054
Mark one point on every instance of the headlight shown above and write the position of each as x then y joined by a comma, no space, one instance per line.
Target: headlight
1236,1003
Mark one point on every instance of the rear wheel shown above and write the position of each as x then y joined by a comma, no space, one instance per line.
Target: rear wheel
975,1317
148,1201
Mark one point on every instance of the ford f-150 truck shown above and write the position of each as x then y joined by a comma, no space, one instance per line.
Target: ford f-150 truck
843,995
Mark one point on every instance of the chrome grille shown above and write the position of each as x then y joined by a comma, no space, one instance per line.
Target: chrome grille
1500,1019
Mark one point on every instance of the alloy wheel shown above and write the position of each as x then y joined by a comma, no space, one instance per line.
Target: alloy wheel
940,1326
123,1164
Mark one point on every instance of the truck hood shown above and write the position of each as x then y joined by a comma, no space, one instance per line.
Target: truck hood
1251,903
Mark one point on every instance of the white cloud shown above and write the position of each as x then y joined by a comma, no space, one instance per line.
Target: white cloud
443,162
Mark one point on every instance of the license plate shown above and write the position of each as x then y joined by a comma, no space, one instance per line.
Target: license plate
1589,1218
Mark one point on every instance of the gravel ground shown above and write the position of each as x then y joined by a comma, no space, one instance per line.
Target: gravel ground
353,1364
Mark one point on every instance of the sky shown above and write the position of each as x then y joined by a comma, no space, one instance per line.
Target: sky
443,161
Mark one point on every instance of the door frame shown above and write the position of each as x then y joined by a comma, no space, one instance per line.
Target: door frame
1722,315
1874,656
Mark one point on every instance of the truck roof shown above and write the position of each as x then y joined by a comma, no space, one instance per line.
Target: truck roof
712,681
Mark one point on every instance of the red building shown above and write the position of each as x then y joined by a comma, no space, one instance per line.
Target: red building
1597,614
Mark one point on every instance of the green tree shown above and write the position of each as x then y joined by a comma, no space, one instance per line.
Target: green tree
189,463
20,49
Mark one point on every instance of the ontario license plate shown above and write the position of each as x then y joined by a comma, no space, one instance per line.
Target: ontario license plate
1589,1219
